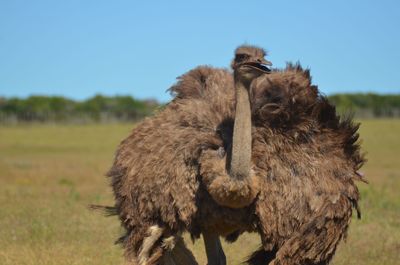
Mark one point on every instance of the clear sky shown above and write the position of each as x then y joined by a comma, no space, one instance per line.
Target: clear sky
78,48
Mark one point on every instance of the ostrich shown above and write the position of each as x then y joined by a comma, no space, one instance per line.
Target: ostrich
256,151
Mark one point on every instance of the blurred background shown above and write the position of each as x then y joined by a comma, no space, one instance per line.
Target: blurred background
75,77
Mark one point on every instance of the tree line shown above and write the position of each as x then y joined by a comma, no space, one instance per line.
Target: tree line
126,108
59,109
367,105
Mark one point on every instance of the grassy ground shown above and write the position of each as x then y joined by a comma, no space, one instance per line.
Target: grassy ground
49,174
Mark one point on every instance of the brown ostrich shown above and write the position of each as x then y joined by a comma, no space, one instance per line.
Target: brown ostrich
255,151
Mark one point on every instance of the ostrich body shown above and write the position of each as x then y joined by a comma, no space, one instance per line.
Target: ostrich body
251,152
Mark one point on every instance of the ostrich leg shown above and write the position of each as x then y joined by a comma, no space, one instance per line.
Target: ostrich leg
179,255
214,251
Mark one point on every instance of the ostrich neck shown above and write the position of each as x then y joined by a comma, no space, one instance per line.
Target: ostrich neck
241,146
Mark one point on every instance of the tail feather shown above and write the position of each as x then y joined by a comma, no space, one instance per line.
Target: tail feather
154,234
105,210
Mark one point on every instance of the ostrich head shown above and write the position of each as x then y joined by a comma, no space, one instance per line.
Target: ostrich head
249,63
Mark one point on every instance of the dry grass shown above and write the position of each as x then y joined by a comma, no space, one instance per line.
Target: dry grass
49,174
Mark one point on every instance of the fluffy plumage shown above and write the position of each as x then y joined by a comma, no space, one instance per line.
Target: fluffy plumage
304,159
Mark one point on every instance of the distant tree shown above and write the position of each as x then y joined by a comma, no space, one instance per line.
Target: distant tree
368,105
126,108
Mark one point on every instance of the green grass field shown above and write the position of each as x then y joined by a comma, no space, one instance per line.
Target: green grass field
49,174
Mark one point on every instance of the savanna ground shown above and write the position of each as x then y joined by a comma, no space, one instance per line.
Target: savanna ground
49,174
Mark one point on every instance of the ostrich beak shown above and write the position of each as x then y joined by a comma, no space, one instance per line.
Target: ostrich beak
259,64
265,62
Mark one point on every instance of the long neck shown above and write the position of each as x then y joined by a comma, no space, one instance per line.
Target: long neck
241,146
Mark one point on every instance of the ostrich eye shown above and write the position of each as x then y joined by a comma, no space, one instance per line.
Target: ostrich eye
241,57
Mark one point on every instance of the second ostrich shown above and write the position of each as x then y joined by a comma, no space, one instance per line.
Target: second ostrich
255,151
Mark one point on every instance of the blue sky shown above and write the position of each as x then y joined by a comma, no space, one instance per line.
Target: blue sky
78,48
